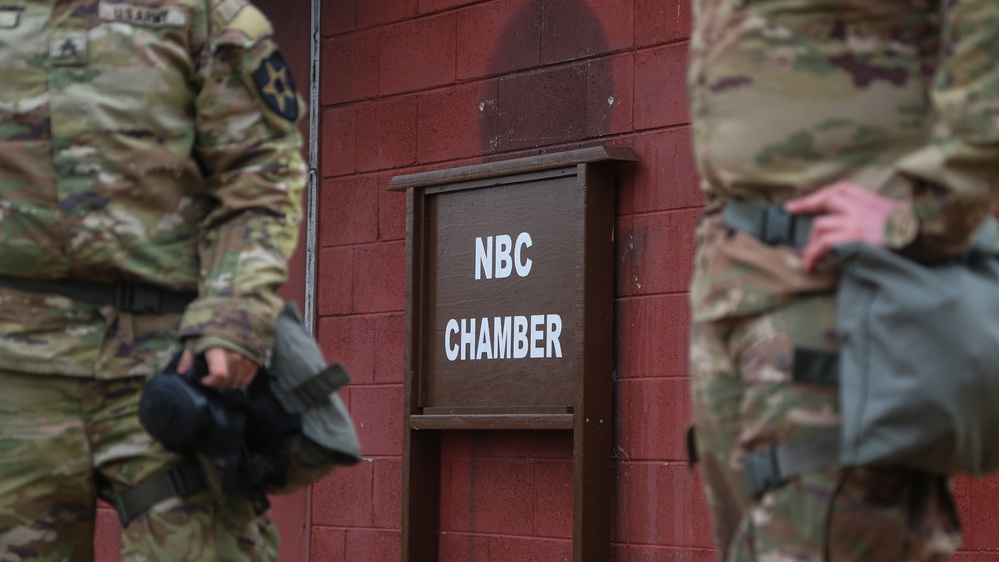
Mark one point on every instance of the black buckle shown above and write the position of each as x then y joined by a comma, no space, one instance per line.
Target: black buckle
762,471
777,226
137,298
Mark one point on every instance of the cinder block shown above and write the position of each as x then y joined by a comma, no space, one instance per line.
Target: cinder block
645,553
553,501
542,108
327,545
379,277
651,335
663,504
458,122
378,12
574,29
655,252
552,445
343,499
391,211
660,74
610,87
487,495
529,549
463,547
348,211
388,493
350,340
338,17
338,141
976,556
457,443
651,421
430,6
980,522
377,415
390,347
363,545
498,37
665,176
333,281
659,21
386,134
350,64
418,54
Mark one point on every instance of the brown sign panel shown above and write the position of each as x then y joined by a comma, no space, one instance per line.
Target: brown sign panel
509,316
504,312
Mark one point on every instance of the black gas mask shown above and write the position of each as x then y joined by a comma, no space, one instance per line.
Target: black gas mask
236,435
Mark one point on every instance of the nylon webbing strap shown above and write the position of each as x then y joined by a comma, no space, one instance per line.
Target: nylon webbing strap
776,465
178,481
316,391
768,223
813,366
124,296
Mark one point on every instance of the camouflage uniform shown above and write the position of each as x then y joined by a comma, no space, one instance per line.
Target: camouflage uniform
789,96
151,141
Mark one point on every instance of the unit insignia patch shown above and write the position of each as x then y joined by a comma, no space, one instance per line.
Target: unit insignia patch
275,87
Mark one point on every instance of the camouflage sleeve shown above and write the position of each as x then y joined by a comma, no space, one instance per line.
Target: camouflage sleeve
248,145
955,176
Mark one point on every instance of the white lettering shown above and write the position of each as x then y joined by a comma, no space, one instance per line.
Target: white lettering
519,337
504,264
484,258
537,335
485,346
523,266
467,337
502,340
554,331
450,350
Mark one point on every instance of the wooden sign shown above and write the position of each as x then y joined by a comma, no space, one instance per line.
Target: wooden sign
509,323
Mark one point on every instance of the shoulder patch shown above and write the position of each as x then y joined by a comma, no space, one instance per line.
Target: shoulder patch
275,87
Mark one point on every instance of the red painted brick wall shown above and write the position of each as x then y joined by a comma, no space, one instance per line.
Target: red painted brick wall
414,85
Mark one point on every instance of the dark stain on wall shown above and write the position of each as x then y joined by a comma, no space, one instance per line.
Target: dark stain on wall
550,89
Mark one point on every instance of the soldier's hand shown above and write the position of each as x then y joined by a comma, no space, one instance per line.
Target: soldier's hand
846,212
226,369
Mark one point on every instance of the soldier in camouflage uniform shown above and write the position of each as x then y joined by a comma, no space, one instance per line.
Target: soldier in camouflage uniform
879,117
145,145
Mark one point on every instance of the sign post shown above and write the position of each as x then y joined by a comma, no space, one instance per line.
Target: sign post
509,323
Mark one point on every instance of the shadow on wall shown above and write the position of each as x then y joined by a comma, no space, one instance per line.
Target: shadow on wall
542,97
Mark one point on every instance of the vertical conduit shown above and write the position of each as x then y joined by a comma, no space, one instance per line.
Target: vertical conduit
313,187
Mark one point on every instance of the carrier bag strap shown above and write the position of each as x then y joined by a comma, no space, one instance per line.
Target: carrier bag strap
125,296
770,224
769,468
178,481
316,390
